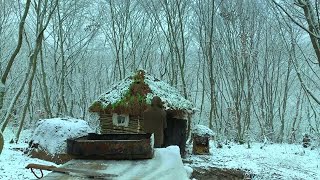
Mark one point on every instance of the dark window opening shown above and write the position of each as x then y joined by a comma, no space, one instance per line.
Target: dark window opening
121,119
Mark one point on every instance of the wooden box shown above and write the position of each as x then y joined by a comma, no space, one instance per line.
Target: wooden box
111,146
200,144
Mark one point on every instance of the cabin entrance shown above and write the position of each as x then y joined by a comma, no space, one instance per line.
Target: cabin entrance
176,134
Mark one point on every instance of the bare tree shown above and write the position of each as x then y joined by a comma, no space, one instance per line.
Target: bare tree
305,15
44,13
206,18
10,64
72,30
311,16
241,36
14,54
119,15
6,30
290,46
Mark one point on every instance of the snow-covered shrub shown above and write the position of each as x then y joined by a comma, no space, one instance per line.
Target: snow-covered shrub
50,135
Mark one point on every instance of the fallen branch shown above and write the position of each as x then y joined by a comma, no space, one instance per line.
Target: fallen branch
72,172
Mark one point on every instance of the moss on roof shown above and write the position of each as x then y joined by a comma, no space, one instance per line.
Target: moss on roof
133,94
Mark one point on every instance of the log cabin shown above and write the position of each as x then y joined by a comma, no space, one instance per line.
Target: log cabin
121,108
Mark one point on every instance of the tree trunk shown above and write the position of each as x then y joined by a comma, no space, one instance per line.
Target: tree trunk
45,88
313,25
13,56
62,101
33,59
41,26
1,142
15,99
8,68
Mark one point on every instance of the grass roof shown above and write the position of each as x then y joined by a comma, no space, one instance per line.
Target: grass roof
133,94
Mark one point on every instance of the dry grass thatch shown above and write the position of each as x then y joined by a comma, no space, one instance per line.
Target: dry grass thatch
130,97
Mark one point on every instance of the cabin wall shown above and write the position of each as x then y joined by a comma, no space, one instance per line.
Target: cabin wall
175,133
107,126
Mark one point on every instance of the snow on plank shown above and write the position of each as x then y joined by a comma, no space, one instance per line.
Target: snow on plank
166,164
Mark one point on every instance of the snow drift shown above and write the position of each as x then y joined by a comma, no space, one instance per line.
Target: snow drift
51,134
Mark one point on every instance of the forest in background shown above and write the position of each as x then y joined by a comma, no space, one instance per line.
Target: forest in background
251,67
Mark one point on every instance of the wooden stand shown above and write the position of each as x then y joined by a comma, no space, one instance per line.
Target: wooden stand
200,144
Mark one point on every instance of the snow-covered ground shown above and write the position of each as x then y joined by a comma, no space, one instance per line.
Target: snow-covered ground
266,162
272,161
50,134
13,161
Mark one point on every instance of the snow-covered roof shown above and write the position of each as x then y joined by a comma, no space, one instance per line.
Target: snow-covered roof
170,96
202,130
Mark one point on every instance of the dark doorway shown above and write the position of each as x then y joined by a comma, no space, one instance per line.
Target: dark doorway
175,134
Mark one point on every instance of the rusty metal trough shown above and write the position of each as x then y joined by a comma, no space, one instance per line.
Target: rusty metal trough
111,146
